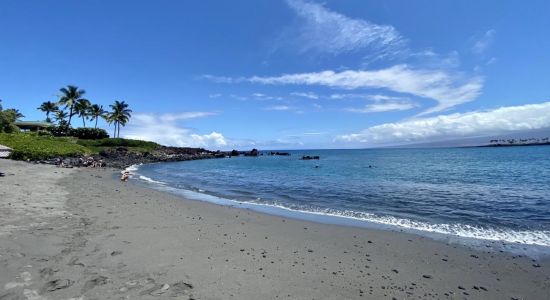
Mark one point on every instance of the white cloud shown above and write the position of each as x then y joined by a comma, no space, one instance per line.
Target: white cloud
308,95
164,130
324,31
171,117
447,89
382,106
482,43
213,96
373,97
262,96
278,107
472,124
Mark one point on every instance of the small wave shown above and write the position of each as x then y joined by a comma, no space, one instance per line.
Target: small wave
527,237
132,168
147,179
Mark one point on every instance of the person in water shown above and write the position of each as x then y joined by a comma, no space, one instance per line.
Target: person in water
125,176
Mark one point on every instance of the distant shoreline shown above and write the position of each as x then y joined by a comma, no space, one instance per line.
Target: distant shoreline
514,145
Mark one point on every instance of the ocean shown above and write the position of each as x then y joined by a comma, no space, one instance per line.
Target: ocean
500,195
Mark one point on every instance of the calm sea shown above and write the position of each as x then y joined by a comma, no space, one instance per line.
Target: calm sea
495,194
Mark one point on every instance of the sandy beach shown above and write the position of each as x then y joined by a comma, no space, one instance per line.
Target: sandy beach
79,234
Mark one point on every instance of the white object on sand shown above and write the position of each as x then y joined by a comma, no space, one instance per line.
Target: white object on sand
5,151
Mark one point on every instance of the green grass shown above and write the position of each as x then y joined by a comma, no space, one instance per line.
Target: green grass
30,146
33,147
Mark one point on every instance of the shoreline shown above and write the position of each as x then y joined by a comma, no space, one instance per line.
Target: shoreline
115,240
496,241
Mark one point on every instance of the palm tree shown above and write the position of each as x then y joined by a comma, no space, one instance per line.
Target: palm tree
70,95
120,115
96,111
82,108
60,117
48,107
16,113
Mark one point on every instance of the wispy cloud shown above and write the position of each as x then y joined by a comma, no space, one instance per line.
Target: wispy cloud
383,106
263,97
446,88
321,30
237,97
372,97
279,107
164,129
472,124
171,117
482,43
308,95
213,96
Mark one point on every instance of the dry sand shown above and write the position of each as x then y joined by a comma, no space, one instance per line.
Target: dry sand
79,234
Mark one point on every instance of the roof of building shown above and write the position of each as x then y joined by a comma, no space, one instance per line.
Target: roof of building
32,124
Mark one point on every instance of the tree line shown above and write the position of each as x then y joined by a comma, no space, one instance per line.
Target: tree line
72,103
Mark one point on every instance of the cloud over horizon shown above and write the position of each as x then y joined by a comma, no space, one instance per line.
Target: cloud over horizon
165,130
458,125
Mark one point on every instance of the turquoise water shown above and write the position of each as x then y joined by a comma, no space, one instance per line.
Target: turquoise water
496,194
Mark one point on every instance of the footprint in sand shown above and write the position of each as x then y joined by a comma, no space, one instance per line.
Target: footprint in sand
176,289
90,284
57,284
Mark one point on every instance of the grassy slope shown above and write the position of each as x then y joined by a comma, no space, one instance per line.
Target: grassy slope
33,147
30,146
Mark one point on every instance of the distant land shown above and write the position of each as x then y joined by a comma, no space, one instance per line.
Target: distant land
520,138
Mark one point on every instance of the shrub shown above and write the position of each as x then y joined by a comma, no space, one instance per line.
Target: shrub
89,133
61,130
34,147
81,133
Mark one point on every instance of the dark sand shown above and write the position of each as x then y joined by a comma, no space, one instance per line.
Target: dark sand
78,234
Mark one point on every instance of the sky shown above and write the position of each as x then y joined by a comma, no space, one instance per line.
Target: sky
287,74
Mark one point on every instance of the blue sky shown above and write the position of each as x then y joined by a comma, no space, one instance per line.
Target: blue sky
287,74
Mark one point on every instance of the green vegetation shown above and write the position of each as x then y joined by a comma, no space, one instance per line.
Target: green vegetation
132,145
30,146
120,116
7,119
62,140
71,99
48,107
40,146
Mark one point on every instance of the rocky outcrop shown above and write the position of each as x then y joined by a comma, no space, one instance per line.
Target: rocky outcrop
279,153
122,157
307,157
254,152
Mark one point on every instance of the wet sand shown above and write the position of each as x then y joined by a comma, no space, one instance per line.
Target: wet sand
79,234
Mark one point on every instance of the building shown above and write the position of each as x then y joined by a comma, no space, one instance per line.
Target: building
32,126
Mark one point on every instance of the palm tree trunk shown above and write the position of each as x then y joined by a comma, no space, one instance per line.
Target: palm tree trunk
97,117
70,115
83,122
